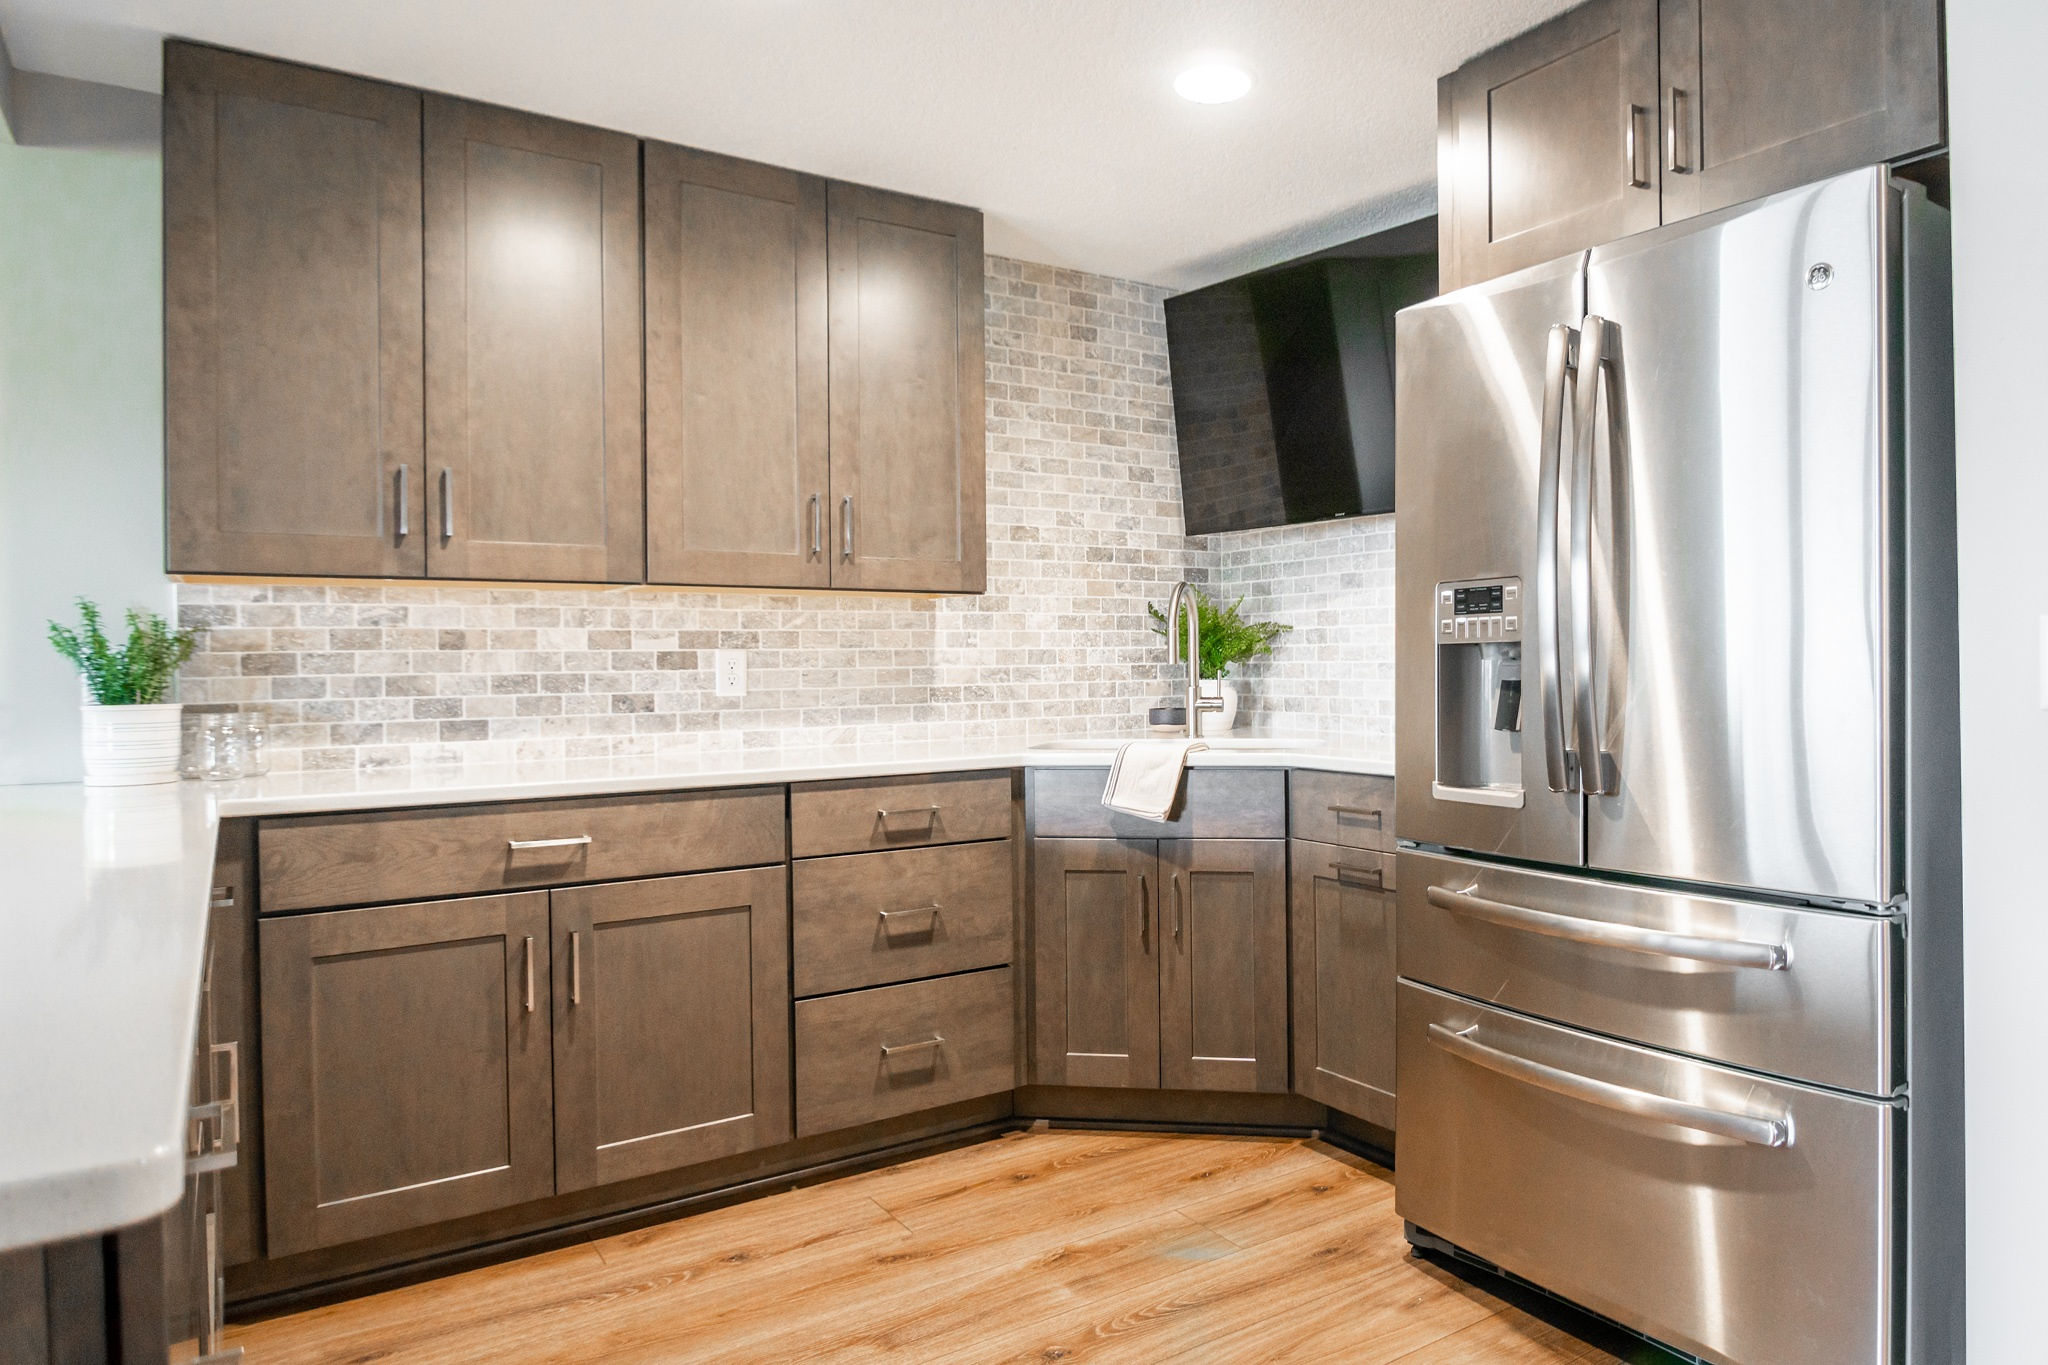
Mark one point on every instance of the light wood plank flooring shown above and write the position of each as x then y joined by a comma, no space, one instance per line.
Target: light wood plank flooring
1043,1246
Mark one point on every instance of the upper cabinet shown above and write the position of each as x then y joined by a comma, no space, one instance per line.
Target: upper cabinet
1622,114
1547,144
1761,96
292,320
908,451
737,437
533,347
405,338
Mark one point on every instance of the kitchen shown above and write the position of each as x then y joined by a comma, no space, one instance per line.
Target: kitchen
823,732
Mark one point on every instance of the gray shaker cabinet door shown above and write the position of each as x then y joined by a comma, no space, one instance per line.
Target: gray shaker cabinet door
292,320
736,417
671,1030
1761,96
1096,993
1549,143
533,348
1223,965
405,1066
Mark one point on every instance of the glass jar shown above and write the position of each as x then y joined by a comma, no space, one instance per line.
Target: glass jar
255,745
227,751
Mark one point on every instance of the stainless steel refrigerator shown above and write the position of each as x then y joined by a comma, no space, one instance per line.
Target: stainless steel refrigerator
1679,913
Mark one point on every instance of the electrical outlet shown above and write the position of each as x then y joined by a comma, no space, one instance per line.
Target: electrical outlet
729,669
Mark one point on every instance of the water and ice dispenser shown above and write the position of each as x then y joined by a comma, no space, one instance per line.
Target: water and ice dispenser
1479,691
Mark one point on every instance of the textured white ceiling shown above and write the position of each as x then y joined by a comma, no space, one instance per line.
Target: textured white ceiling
1056,117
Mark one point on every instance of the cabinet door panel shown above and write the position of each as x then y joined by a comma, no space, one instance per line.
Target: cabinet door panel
405,1066
1550,143
671,1023
1096,994
1762,96
1343,928
736,418
533,347
908,426
292,320
1223,973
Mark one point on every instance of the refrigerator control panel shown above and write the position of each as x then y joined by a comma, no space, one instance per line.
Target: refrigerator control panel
1479,609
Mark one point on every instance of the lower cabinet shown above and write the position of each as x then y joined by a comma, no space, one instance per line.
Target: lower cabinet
406,1066
1161,963
1343,988
426,1062
874,1054
671,1008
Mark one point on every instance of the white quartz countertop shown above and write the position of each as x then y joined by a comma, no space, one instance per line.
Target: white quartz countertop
105,933
425,785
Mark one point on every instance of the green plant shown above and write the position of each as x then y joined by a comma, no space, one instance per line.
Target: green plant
138,673
1227,638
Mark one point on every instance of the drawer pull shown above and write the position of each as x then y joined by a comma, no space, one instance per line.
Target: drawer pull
1750,1128
930,813
931,910
1722,952
521,845
1353,875
890,1050
1361,812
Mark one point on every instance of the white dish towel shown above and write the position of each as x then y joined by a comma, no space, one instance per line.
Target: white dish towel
1145,776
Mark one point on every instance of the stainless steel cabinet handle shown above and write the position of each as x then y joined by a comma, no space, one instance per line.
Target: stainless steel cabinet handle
575,966
1559,369
817,525
529,973
1362,812
1636,179
892,1049
231,1107
846,527
930,813
223,898
931,910
1671,159
1144,912
447,504
1599,372
1750,1128
1722,952
1180,908
404,499
574,842
1373,876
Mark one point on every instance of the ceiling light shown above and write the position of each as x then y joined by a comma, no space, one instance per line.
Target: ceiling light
1212,83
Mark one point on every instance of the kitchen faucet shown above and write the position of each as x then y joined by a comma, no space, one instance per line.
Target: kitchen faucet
1190,645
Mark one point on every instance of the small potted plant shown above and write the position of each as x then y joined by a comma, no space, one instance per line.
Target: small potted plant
131,733
1227,638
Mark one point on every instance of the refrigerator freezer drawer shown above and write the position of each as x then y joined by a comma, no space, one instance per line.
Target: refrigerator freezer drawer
1642,1185
1810,994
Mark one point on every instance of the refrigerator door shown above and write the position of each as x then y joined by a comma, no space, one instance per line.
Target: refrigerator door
1748,1221
1742,461
1476,763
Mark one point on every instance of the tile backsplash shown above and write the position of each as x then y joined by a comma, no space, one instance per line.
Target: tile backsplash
1084,529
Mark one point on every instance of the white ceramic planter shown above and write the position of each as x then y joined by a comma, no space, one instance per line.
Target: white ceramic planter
131,746
1216,722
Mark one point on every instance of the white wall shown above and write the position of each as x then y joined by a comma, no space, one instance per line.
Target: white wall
81,413
1996,51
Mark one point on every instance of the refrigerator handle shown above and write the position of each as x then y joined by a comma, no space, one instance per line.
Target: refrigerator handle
1600,366
1559,369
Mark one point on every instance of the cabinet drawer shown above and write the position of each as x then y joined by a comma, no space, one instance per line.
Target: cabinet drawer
353,859
894,1050
1351,809
898,812
866,919
1215,803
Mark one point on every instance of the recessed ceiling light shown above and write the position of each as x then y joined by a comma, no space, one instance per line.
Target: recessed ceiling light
1212,83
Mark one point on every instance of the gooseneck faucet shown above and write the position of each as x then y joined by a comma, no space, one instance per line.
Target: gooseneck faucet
1188,644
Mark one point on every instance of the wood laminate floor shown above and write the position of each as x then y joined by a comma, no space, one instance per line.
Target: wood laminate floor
1044,1246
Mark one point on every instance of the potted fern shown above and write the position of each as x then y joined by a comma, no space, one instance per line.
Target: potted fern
131,732
1227,638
